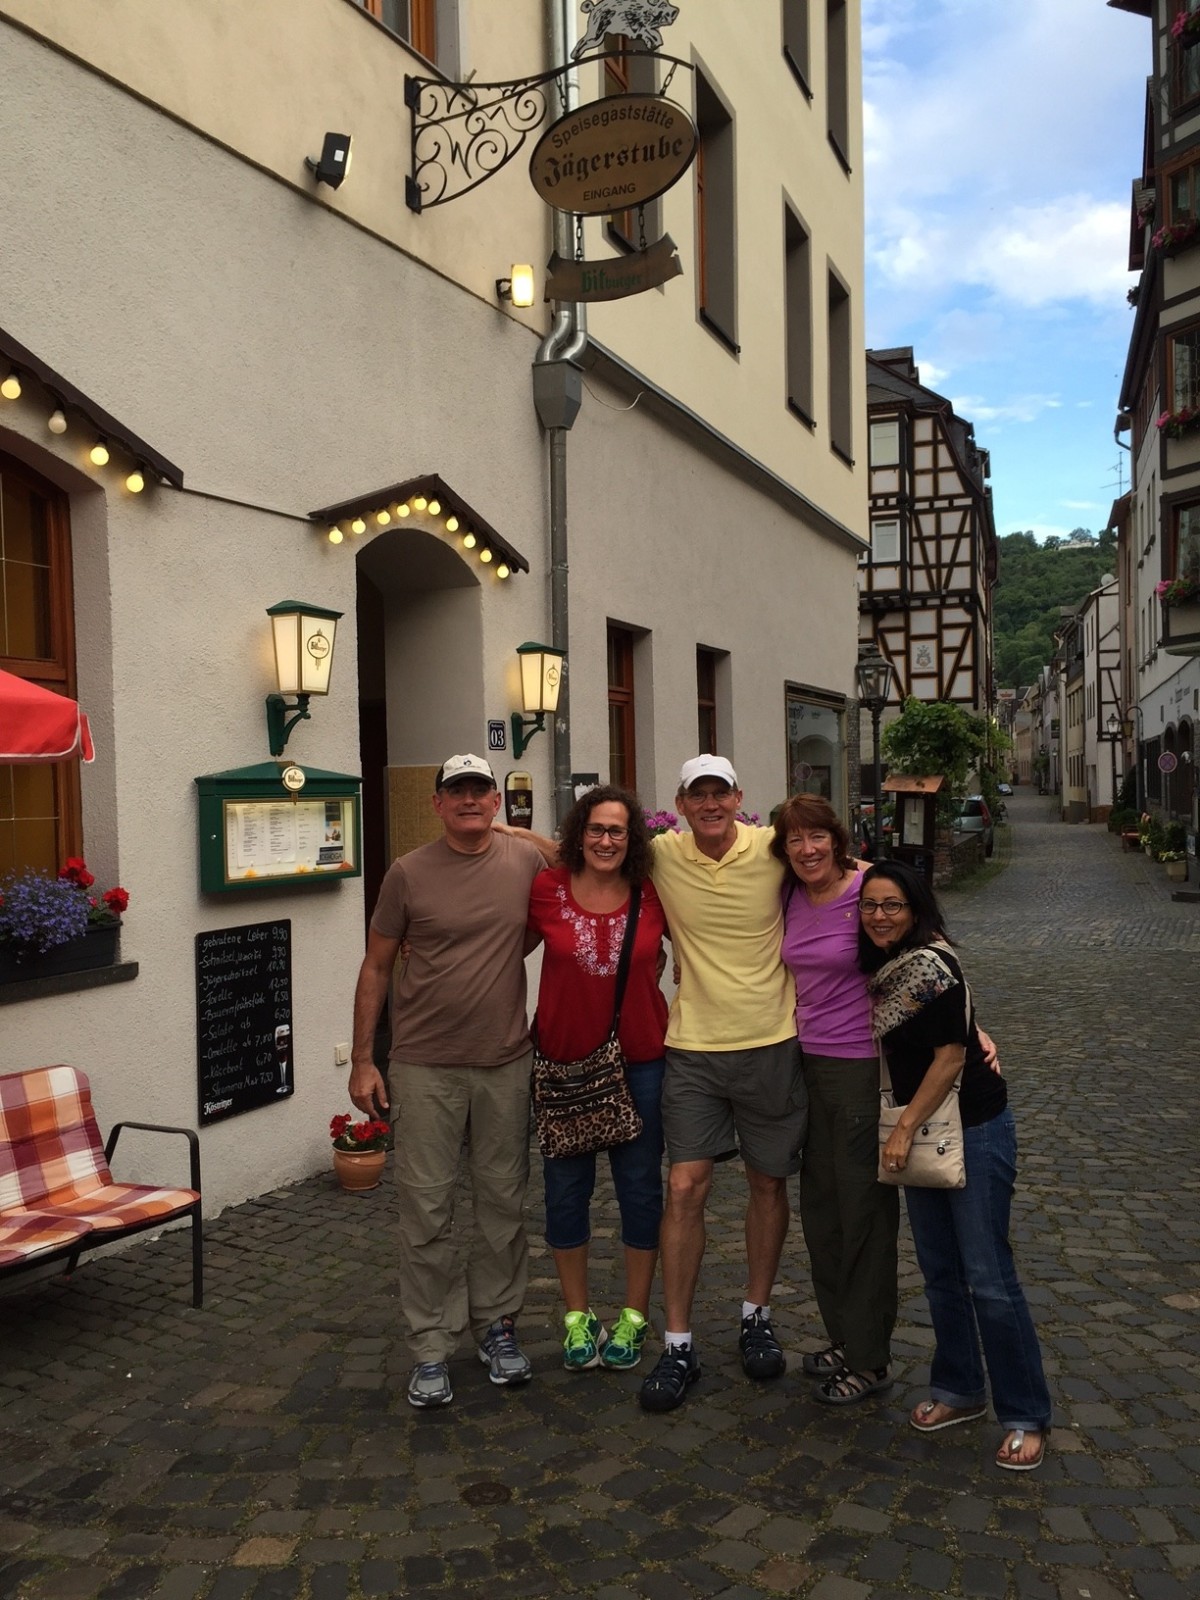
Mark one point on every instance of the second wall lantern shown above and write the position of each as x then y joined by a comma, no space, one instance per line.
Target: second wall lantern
541,678
303,636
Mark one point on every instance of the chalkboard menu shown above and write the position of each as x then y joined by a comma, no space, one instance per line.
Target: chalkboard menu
243,1018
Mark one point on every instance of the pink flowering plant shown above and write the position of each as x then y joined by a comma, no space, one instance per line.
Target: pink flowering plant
39,913
359,1137
1185,29
662,822
1178,591
1175,236
1177,424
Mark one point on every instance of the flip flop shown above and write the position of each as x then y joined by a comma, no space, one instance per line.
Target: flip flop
857,1386
919,1418
823,1363
1013,1443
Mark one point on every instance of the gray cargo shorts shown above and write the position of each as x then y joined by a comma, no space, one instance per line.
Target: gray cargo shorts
718,1103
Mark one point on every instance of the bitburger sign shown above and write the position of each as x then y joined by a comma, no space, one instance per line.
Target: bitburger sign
612,154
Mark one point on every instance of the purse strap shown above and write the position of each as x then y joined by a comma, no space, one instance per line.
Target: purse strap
626,956
885,1076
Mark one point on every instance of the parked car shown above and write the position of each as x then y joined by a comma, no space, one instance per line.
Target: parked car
1004,788
974,817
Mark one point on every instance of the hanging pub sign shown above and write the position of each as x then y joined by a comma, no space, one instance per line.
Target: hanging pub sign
615,276
612,154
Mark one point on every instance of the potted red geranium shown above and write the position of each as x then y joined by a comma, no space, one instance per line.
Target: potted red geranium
1185,30
359,1151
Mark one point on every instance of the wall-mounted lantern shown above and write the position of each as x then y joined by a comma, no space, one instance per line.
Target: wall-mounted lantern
541,677
303,636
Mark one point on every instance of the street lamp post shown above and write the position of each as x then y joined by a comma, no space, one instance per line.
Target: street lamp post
1113,727
874,676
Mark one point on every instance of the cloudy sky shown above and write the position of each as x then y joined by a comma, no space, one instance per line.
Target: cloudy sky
1002,137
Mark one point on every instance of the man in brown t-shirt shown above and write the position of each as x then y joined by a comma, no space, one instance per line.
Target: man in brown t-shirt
459,1069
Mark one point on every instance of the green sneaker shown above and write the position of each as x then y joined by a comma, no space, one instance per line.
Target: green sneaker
624,1347
584,1341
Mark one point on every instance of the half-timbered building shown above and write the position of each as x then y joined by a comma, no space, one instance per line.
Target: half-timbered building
925,585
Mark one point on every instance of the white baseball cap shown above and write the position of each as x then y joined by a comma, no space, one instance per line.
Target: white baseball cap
707,767
456,768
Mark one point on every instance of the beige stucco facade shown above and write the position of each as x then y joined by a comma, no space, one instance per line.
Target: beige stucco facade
290,348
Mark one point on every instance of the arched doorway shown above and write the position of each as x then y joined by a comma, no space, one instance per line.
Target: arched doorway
420,685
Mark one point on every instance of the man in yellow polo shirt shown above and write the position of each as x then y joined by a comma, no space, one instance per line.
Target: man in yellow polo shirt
733,1078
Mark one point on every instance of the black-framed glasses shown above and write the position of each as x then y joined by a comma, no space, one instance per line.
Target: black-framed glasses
595,831
888,908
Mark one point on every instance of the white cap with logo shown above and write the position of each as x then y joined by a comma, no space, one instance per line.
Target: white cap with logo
457,768
707,767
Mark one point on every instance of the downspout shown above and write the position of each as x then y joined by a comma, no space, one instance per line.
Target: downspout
557,395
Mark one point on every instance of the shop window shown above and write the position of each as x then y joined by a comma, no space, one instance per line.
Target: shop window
39,805
795,41
1184,353
716,255
837,78
797,266
841,434
627,72
622,749
815,743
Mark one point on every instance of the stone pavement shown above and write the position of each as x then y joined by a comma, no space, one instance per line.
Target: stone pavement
262,1449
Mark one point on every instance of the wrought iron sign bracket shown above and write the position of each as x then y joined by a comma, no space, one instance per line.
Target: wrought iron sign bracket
464,133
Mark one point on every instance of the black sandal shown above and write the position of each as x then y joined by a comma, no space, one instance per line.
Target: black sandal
823,1363
847,1388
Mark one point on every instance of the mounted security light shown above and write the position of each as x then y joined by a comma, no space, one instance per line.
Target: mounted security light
303,636
517,288
334,162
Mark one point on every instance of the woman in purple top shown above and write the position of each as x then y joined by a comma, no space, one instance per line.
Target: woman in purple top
850,1219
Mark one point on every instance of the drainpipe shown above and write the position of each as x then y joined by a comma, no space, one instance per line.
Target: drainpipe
557,395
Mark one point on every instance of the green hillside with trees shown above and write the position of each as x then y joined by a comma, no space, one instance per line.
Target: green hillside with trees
1035,581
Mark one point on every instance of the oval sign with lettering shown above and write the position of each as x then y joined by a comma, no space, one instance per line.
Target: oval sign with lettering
612,154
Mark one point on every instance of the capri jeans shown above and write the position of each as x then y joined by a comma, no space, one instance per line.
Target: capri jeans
961,1237
636,1173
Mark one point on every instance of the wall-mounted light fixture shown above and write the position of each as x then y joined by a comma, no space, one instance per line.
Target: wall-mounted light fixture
541,676
303,636
518,286
334,161
11,387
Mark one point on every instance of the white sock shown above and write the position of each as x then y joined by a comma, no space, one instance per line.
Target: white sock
678,1341
749,1308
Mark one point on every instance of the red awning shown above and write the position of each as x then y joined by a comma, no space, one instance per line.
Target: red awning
39,725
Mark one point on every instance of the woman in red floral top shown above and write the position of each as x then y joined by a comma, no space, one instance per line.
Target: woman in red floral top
579,911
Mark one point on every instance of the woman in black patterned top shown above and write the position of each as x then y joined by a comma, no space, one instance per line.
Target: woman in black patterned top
925,1023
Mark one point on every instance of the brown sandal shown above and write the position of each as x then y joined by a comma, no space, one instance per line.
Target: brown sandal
925,1418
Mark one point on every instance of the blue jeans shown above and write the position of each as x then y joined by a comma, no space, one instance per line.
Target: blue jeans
636,1171
971,1284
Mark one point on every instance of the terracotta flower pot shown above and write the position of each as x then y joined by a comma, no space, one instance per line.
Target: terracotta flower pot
359,1170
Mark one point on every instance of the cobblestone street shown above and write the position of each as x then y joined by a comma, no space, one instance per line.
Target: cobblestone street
263,1449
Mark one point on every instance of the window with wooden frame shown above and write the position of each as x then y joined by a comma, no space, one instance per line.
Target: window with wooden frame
628,72
39,805
622,755
797,270
716,254
1185,542
706,702
414,21
1184,68
885,542
837,79
841,411
1183,355
795,41
1183,193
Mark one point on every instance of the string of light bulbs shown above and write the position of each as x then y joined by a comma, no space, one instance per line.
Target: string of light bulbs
99,454
397,510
